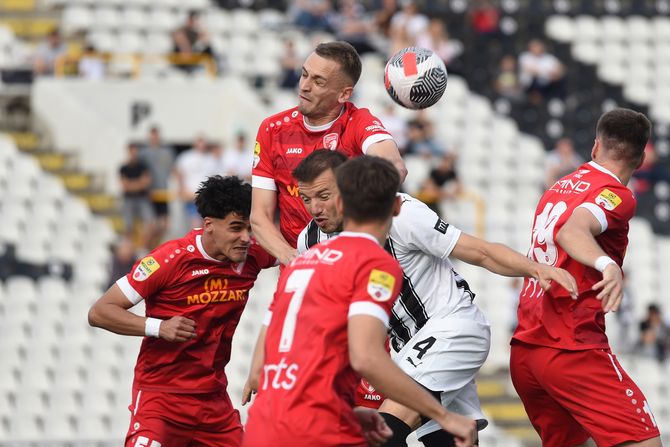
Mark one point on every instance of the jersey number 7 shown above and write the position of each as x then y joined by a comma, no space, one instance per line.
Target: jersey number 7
297,284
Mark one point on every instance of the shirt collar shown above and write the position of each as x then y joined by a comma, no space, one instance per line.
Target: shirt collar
201,249
360,234
322,127
604,169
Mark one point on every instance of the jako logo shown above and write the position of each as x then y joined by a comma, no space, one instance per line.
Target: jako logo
200,272
294,150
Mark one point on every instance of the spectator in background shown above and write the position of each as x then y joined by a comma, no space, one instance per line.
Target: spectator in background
484,18
290,66
135,183
442,184
420,140
91,65
123,259
406,25
654,335
47,54
160,158
354,26
191,40
383,16
395,125
192,167
313,15
238,159
507,83
649,173
436,38
541,73
561,161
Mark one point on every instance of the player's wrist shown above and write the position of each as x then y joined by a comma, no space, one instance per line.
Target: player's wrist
602,262
152,327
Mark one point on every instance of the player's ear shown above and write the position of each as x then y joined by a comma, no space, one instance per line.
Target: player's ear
345,94
595,148
396,206
339,205
207,224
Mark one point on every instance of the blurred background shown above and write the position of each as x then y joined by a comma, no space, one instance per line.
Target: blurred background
113,111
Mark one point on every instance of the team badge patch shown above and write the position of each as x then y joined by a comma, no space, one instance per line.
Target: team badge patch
330,141
380,285
608,200
145,268
257,154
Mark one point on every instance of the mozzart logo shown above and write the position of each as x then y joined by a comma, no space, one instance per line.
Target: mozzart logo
216,290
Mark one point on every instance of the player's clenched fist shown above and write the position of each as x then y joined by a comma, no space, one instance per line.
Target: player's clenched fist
463,428
177,329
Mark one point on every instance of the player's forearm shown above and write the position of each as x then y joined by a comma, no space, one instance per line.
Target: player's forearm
389,380
258,357
502,260
579,244
268,235
116,319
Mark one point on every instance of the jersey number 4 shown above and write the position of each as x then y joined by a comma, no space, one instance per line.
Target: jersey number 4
297,285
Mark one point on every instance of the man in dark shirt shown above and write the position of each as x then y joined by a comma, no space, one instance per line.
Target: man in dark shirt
135,182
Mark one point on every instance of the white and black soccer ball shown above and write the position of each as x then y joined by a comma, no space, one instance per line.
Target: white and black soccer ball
415,77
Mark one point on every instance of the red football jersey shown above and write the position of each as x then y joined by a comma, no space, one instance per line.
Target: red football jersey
553,319
179,278
306,393
284,139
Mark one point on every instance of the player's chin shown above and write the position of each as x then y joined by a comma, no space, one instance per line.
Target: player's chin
238,254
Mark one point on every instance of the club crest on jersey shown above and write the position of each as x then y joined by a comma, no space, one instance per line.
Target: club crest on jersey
608,200
330,141
145,268
380,285
257,154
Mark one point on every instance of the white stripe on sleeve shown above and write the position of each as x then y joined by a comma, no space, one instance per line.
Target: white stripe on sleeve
598,213
263,183
267,318
372,139
369,308
128,290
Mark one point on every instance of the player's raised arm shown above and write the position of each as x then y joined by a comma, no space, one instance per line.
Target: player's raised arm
111,312
368,358
577,238
389,150
263,207
499,258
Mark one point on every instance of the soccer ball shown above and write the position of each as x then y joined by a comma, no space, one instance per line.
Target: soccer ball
415,78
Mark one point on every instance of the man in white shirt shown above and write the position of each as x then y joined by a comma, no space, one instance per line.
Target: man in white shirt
439,337
541,73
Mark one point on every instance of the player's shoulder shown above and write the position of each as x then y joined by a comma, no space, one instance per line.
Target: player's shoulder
361,114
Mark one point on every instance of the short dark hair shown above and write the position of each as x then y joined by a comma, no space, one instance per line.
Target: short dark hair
368,187
219,196
624,133
345,55
316,163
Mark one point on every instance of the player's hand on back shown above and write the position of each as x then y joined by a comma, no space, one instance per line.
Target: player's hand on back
250,388
178,329
612,288
288,256
463,428
375,430
546,274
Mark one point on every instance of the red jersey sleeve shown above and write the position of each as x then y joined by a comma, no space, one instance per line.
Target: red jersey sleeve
368,130
263,173
613,206
148,276
376,286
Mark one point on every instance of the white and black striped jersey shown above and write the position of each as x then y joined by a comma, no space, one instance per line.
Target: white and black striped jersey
422,243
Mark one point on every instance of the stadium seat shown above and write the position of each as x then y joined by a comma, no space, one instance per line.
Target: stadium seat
106,18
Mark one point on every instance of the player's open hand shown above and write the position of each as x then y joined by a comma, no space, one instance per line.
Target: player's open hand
250,388
178,329
375,430
612,288
463,428
546,274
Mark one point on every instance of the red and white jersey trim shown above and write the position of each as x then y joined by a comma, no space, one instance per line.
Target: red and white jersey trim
598,213
368,308
263,183
128,290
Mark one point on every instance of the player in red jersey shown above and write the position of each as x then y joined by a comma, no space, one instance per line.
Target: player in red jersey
195,289
324,117
328,325
571,385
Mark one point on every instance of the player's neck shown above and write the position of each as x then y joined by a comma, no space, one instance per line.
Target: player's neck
623,173
210,249
317,121
378,230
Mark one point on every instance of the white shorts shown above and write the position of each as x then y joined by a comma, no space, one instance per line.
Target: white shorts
445,356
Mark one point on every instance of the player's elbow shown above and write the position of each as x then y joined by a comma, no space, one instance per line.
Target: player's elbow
94,318
402,169
362,361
